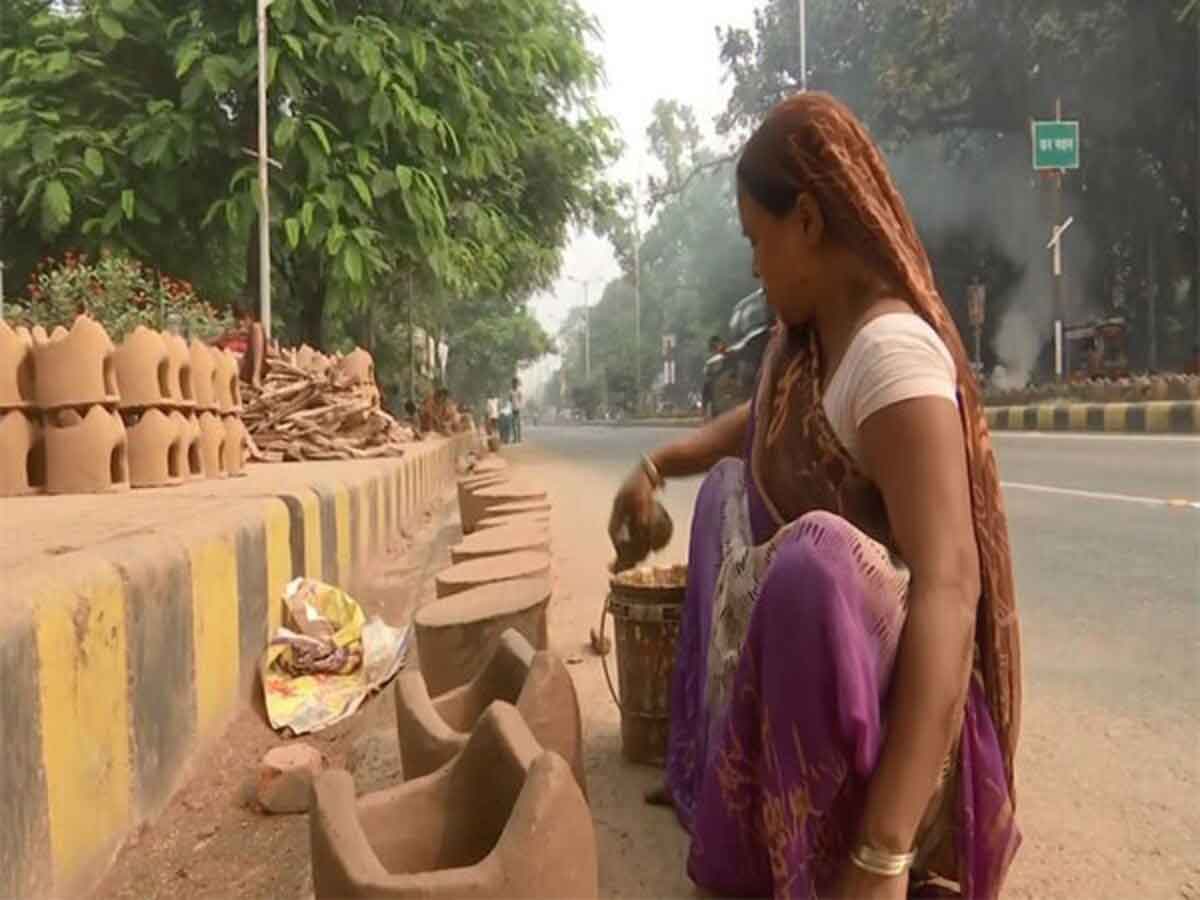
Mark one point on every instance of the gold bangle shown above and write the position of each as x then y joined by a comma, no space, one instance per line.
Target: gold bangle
652,472
881,863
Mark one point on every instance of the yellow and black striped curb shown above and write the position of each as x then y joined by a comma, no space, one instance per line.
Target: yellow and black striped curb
118,662
1168,417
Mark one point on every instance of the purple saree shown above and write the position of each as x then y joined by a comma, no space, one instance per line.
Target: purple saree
785,653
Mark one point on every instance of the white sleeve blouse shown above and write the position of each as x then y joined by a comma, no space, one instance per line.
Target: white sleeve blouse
892,358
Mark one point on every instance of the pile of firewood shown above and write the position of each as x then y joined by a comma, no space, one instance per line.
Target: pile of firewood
313,407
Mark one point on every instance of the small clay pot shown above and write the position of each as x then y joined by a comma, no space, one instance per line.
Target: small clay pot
225,381
235,447
144,369
188,426
357,368
22,454
157,449
87,451
75,368
212,445
204,375
16,368
634,544
182,388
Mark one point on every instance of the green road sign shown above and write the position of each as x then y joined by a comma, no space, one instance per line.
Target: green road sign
1056,145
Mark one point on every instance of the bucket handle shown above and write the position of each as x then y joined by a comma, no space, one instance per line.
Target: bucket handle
604,614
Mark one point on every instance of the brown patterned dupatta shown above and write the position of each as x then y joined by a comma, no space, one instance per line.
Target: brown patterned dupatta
800,466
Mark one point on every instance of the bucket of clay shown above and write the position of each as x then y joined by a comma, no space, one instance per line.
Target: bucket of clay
646,605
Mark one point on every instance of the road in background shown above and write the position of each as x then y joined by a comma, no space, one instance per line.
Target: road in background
1108,573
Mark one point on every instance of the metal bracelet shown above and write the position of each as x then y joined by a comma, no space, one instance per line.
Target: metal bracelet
652,472
881,863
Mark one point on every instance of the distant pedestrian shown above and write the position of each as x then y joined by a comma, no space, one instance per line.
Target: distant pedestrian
493,415
506,432
517,400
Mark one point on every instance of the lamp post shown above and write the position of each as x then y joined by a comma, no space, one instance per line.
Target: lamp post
803,45
264,211
587,325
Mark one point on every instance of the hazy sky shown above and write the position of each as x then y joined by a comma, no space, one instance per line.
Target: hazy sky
652,49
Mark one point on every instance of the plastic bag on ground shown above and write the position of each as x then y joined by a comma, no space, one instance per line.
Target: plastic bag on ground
326,659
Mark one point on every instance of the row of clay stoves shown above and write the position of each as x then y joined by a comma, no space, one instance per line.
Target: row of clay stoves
494,801
80,415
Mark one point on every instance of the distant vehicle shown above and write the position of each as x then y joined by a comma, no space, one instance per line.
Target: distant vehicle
1098,349
729,375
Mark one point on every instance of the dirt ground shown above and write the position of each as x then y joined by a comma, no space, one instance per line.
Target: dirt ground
212,842
1100,797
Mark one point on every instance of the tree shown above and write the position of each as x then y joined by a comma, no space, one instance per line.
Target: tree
966,77
486,355
695,265
410,136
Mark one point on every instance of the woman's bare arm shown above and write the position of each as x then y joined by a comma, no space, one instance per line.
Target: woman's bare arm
698,452
914,452
703,448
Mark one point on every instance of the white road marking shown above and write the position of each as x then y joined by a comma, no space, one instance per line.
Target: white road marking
1176,503
1095,436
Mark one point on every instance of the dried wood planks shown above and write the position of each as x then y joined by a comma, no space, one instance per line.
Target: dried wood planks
314,407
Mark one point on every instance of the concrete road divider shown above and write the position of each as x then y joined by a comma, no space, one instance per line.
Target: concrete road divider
131,629
1167,417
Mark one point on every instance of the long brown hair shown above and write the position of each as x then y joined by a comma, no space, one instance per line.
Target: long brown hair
812,143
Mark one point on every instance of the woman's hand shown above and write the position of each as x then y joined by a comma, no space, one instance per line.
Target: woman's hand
856,884
632,507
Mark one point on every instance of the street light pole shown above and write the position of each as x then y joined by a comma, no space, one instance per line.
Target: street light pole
803,45
637,302
587,333
264,211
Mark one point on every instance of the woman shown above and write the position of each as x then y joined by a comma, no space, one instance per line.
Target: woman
846,697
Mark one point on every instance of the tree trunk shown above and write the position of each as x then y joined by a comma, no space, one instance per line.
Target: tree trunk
1151,303
312,315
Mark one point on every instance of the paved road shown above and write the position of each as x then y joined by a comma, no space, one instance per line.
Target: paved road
1100,552
1108,571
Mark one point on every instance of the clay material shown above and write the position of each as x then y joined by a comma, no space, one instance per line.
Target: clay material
469,484
228,389
285,778
312,360
22,454
212,445
236,446
504,819
357,367
76,367
493,570
511,538
523,506
456,635
86,453
189,429
157,449
538,519
432,732
144,369
181,384
479,502
204,374
16,368
490,464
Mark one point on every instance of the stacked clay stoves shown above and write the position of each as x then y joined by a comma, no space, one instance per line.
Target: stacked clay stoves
80,415
22,453
494,802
